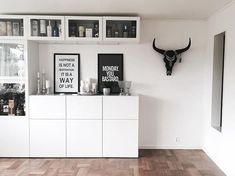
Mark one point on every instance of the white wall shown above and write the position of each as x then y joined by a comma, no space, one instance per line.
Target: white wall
170,107
220,146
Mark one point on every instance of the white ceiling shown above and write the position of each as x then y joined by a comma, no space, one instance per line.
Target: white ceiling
183,9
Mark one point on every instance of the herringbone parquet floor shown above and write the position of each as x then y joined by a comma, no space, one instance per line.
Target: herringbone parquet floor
150,163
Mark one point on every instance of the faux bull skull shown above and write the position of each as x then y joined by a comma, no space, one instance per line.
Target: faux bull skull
170,56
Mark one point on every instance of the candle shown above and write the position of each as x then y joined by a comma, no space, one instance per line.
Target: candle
47,84
38,75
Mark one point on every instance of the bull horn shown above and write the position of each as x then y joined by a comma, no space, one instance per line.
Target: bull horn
179,51
161,51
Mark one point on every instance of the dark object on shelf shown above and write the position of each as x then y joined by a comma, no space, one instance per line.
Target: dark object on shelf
55,30
110,71
73,30
170,56
96,30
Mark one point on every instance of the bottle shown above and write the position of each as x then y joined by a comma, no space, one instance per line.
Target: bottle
21,28
133,31
38,84
55,30
116,31
109,31
1,106
43,82
60,30
96,30
49,29
34,27
43,31
125,31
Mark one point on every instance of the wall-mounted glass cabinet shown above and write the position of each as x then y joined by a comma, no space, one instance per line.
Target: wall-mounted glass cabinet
83,28
46,28
121,29
12,27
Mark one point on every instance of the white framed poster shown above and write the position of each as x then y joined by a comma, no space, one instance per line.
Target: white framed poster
66,73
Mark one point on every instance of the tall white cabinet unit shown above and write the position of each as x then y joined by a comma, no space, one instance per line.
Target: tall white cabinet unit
14,134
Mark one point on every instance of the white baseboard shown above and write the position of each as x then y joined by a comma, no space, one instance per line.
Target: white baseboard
170,147
214,160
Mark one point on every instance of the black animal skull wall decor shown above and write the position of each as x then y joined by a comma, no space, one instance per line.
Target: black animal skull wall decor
171,56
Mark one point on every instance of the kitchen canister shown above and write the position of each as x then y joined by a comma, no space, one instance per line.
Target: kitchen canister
9,28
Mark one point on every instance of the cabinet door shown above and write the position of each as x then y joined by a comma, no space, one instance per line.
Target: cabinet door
121,29
14,137
120,107
47,138
120,138
47,107
84,107
84,138
90,28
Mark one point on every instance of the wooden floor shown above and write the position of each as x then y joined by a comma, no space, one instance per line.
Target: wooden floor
150,163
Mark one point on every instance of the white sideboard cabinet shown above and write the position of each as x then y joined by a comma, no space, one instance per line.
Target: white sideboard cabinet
83,126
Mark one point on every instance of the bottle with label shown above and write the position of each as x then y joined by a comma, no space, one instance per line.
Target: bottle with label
34,27
55,30
125,31
43,31
49,29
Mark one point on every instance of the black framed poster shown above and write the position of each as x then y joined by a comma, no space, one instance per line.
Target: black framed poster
66,73
110,71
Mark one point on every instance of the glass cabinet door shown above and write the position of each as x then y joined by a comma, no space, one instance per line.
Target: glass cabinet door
12,99
121,29
12,63
11,27
84,28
